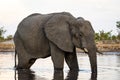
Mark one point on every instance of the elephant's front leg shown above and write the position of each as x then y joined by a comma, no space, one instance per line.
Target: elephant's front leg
71,60
57,56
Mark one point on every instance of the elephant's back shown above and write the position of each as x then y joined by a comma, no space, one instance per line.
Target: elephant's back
32,35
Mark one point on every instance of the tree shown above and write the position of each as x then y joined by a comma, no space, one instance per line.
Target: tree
97,36
2,31
9,37
114,37
105,35
102,35
118,29
118,24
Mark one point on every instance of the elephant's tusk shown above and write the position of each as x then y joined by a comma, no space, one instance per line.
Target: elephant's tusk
85,50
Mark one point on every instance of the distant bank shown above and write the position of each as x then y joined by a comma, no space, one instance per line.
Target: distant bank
103,46
7,46
108,45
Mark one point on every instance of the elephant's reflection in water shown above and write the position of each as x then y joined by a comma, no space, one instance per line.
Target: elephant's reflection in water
58,75
72,75
26,75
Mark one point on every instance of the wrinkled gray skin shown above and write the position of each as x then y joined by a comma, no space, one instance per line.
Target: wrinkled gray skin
56,35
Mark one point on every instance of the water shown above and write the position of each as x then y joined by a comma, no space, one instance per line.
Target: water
108,68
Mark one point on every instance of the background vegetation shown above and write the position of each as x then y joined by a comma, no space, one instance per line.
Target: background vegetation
102,35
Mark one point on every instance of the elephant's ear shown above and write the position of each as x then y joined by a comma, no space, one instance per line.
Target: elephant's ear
58,32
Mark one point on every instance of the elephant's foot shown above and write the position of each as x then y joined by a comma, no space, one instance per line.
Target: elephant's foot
58,74
93,76
72,75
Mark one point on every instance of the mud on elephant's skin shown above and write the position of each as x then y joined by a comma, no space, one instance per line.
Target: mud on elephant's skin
56,35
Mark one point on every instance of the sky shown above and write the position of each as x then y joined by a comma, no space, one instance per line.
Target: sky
103,14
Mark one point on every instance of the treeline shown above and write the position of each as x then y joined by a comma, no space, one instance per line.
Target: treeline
102,35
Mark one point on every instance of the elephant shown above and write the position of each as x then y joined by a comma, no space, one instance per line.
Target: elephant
56,35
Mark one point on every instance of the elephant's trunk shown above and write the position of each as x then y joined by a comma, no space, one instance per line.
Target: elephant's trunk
93,58
92,53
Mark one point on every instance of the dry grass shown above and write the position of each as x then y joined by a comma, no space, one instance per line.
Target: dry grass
7,46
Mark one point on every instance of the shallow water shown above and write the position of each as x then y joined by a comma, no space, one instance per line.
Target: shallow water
108,68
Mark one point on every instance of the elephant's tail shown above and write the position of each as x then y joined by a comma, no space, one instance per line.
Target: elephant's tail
15,59
15,66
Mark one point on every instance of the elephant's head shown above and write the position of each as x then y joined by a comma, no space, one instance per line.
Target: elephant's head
88,43
86,35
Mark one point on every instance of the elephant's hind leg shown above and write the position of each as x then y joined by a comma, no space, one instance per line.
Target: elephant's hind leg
25,60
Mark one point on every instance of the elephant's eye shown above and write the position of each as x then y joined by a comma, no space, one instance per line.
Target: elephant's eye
80,35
